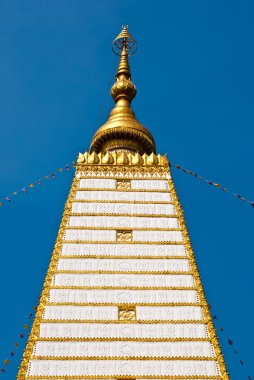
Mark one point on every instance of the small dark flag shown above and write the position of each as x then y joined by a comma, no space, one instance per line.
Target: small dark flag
221,329
8,199
3,370
67,168
38,182
214,316
21,336
230,342
12,353
252,204
241,362
53,175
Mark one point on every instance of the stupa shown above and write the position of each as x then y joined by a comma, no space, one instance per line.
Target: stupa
122,298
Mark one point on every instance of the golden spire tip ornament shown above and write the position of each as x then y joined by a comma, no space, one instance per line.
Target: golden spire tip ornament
122,131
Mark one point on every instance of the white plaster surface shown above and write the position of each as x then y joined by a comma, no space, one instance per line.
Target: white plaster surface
124,367
122,296
124,265
123,221
123,196
123,208
122,280
128,331
123,250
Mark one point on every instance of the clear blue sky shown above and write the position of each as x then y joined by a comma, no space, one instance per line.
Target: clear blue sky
194,71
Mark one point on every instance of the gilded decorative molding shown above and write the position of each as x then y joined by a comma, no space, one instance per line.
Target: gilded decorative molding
138,321
129,304
182,358
117,339
126,377
122,158
120,190
198,283
124,236
125,242
125,171
123,184
153,229
123,201
127,314
125,287
168,257
123,214
122,272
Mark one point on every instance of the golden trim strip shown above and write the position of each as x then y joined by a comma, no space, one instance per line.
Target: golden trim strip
132,215
116,321
103,339
125,228
126,202
145,358
121,190
125,377
122,257
126,287
164,178
123,242
121,272
122,303
201,294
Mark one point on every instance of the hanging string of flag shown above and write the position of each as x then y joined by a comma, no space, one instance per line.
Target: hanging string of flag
22,334
66,168
211,183
231,343
38,182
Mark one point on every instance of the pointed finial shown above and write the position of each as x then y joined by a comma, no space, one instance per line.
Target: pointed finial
123,131
124,40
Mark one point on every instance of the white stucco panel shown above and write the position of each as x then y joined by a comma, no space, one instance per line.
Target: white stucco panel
124,349
92,313
106,330
122,280
123,221
123,367
124,265
123,250
123,208
150,184
122,296
180,313
123,196
97,183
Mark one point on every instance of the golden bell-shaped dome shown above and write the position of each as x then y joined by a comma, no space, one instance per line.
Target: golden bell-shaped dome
123,131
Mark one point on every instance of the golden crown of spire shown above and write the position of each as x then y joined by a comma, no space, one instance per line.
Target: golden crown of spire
122,130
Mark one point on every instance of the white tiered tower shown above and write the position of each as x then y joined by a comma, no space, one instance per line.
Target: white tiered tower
122,298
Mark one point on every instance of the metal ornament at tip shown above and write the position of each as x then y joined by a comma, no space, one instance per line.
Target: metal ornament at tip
124,39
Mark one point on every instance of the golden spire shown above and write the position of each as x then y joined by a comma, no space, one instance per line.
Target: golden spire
122,130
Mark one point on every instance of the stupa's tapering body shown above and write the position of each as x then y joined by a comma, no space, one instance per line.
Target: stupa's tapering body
122,297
